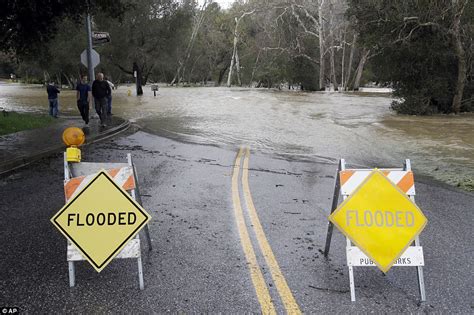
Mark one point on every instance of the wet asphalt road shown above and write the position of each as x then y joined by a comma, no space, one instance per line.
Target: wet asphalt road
197,263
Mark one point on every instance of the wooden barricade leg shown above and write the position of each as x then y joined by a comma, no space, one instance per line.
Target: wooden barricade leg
72,274
351,275
140,273
342,167
419,269
71,269
138,197
335,200
421,279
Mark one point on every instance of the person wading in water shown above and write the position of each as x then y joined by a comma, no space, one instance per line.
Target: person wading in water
101,91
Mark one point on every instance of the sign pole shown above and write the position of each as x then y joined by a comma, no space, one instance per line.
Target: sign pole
89,48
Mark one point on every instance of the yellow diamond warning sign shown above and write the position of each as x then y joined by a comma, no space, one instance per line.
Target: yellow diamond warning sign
380,219
100,220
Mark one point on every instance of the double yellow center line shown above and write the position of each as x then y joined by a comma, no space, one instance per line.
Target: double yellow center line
256,275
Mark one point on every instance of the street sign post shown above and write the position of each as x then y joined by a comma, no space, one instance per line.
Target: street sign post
89,62
380,216
100,220
95,58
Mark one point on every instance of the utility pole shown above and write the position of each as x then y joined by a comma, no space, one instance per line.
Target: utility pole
89,45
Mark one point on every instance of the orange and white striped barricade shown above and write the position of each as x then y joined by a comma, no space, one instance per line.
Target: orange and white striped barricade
346,182
77,176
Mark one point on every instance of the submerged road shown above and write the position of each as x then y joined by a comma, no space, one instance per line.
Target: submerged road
233,231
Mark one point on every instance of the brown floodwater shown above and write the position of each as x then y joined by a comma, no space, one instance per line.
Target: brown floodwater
324,125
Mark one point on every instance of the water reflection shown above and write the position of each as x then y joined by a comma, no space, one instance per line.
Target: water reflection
357,126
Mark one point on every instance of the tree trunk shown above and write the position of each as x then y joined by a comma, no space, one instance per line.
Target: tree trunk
322,65
254,68
69,82
145,77
351,58
460,55
360,69
58,79
333,66
234,51
332,54
237,66
176,76
343,61
192,68
182,63
221,75
138,79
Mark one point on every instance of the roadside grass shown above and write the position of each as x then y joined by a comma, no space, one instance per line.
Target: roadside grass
467,184
11,122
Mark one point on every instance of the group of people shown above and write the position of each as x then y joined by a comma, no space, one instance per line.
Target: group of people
100,92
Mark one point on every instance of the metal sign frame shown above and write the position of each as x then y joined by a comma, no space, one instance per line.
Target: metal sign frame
133,248
349,247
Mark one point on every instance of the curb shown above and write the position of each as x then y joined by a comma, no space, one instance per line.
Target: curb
20,162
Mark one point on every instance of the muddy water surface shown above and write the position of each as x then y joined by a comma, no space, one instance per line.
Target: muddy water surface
359,127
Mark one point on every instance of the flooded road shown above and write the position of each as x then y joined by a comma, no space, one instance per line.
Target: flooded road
311,126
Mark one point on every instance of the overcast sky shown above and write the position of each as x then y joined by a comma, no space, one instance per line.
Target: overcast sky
223,3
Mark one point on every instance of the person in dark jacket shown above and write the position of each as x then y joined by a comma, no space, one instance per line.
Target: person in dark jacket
83,98
53,92
100,92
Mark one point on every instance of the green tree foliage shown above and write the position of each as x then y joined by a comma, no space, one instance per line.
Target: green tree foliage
7,64
183,41
414,42
416,46
28,24
148,35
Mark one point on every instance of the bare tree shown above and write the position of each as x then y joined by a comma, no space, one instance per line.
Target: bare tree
234,61
351,58
360,68
196,26
315,29
322,67
455,31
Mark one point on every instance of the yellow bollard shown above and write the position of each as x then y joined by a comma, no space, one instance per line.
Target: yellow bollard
129,92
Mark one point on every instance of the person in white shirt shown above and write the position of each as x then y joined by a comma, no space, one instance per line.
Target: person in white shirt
109,98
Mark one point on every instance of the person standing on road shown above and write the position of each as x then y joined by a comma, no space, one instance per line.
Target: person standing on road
53,92
100,92
109,99
83,98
